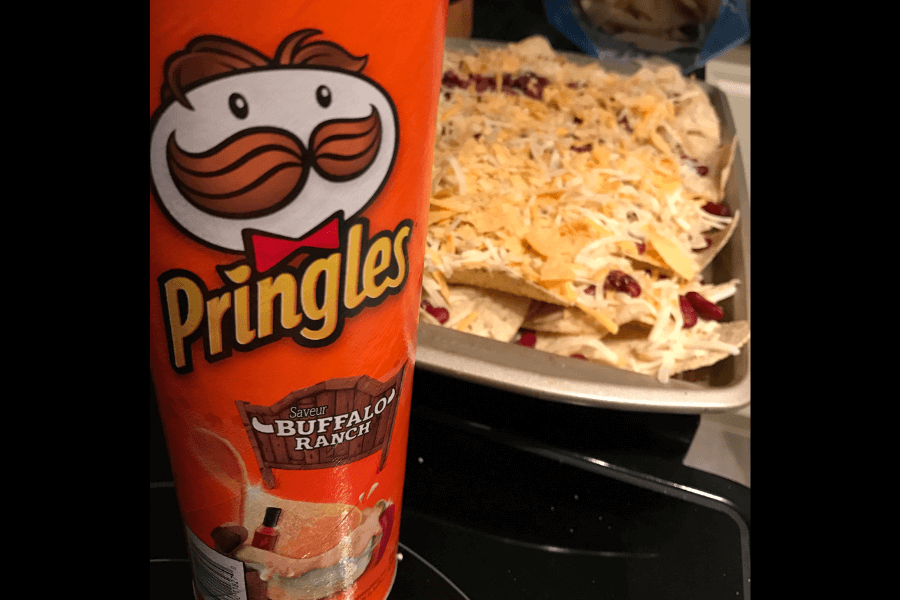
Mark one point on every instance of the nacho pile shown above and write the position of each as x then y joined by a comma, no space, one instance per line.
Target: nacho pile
574,209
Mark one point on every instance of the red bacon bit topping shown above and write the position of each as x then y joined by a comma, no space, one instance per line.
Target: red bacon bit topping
622,282
529,84
483,83
705,308
451,79
717,208
527,338
687,312
441,314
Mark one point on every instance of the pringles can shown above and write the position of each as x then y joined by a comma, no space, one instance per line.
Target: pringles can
290,166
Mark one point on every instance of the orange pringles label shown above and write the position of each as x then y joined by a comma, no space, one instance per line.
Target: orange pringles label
290,158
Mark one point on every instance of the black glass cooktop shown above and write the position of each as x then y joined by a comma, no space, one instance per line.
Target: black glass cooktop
535,504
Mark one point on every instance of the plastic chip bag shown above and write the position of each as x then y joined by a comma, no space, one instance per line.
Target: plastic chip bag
689,33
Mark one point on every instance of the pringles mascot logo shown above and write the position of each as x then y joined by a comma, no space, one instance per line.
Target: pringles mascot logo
274,160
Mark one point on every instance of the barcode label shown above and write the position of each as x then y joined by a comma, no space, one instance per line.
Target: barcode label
216,576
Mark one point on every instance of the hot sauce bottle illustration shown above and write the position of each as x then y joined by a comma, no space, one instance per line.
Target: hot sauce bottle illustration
266,535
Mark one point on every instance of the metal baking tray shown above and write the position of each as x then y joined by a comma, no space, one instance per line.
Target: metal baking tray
720,388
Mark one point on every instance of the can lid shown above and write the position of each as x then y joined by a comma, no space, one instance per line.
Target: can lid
272,515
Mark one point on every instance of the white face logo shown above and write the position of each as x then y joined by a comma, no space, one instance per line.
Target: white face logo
272,150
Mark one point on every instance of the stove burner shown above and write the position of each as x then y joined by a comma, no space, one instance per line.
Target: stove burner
416,579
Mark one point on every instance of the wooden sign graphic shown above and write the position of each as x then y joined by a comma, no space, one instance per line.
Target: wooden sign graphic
329,424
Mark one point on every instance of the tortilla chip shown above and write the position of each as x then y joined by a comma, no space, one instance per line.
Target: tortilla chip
720,163
711,184
549,318
504,280
497,315
589,346
719,240
736,333
699,124
579,320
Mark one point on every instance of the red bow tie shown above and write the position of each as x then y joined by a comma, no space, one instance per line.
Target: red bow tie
268,251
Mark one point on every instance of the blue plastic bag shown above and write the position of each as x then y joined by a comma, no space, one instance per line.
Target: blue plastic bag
730,29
